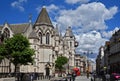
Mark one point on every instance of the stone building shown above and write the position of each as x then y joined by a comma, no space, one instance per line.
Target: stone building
114,56
108,57
47,42
100,61
80,62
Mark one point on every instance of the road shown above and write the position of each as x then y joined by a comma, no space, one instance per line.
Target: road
82,78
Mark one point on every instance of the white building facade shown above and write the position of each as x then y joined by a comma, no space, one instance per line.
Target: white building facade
47,42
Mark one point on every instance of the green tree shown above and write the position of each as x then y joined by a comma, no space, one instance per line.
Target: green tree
2,51
18,51
61,60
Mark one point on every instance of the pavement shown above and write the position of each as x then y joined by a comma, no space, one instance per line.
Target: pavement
82,78
78,78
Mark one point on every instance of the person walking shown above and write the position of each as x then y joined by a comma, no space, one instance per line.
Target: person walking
26,77
73,76
107,76
87,74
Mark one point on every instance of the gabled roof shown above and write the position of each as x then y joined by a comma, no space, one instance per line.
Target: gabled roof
43,18
19,28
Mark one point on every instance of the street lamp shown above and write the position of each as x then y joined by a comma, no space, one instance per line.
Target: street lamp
87,54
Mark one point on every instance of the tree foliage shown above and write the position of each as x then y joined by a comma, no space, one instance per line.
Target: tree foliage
18,50
61,60
2,51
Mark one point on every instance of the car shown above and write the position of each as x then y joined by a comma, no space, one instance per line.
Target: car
115,76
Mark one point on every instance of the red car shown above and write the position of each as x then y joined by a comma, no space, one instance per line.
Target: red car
115,76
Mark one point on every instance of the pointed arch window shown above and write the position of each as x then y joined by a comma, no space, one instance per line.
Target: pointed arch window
40,36
47,38
70,44
6,33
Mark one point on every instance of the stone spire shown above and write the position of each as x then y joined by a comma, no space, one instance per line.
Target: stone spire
43,18
56,30
69,32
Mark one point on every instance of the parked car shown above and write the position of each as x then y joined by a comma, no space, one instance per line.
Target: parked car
115,76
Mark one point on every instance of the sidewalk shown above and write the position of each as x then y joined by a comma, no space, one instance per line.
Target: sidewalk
78,78
43,80
55,78
82,78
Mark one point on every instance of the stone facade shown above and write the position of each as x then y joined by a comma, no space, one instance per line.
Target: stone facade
100,61
47,42
110,54
114,55
80,62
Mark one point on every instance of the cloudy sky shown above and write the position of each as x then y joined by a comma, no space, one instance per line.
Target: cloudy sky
92,21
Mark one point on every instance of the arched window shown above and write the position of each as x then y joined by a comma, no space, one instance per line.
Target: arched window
40,36
47,38
70,44
6,33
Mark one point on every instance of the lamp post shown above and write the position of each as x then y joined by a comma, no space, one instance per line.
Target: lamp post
87,54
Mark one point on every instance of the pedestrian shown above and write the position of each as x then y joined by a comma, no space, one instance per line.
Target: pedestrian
107,76
73,76
87,74
26,77
31,76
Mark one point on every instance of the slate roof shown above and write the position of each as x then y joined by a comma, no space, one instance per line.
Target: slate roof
19,28
43,18
33,35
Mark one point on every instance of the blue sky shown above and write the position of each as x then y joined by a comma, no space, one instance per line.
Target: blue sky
93,21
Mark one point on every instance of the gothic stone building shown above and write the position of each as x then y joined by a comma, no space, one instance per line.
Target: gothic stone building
47,42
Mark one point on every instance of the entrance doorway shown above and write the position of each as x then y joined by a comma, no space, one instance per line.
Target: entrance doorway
47,71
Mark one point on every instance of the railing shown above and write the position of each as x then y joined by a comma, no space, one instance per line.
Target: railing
25,76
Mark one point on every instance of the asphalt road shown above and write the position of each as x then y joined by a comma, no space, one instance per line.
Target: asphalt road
82,78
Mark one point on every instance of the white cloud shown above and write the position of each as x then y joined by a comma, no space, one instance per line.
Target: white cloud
52,7
108,34
76,1
91,16
86,21
90,41
19,4
49,8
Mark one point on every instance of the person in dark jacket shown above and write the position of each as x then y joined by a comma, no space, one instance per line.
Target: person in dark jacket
73,76
26,77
